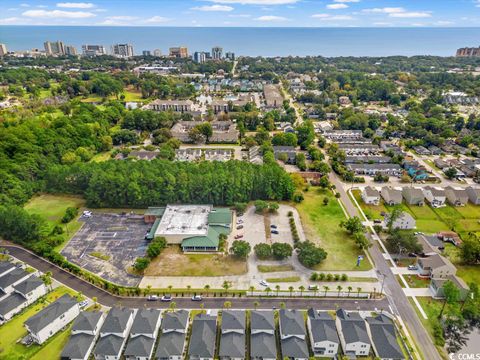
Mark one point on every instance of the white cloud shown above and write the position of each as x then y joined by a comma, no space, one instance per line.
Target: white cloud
337,6
55,14
24,5
122,18
223,8
385,10
255,2
330,17
271,18
10,21
346,1
411,14
157,20
75,5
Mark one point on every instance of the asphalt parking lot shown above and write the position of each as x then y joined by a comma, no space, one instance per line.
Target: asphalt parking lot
107,245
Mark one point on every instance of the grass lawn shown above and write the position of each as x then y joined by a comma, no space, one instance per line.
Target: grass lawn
274,268
172,262
52,208
14,330
372,212
469,273
415,282
288,279
104,156
322,226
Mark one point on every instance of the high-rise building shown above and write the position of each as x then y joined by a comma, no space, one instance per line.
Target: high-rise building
179,52
70,50
3,50
157,52
93,50
146,53
468,52
230,56
199,57
217,53
54,48
122,50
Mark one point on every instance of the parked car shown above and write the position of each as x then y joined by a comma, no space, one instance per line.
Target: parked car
274,232
412,267
273,226
152,298
239,227
264,283
239,236
239,221
83,303
377,221
196,298
87,214
166,298
312,287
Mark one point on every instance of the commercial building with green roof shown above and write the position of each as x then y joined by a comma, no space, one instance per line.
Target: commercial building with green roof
193,227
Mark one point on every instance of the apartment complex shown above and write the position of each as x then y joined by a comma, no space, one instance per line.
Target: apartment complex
122,50
93,50
178,52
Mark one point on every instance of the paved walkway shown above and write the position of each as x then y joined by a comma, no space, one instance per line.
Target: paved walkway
418,292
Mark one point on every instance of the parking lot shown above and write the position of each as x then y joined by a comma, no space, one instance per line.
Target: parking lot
107,245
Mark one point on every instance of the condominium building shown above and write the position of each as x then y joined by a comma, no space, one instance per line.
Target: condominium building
54,48
122,50
468,52
93,50
217,53
157,52
70,50
199,57
3,50
178,52
230,55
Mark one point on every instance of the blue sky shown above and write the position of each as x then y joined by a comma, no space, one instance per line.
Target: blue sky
283,13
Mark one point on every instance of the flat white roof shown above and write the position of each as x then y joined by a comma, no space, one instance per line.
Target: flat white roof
184,220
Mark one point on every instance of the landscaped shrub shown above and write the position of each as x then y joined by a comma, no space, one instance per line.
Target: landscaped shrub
70,214
344,277
329,277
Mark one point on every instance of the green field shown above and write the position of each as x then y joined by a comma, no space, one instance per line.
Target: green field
14,330
52,208
322,226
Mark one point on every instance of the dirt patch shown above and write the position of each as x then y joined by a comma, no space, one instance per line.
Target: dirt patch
172,262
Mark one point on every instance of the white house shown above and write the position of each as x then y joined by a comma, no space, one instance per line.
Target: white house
143,334
323,334
436,197
52,319
404,222
352,332
11,278
371,196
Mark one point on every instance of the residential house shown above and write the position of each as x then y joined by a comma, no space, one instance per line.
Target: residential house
223,131
172,339
435,267
456,197
10,279
262,335
232,338
436,286
114,333
368,159
85,330
336,135
181,106
450,236
429,246
391,196
202,338
421,150
143,335
293,335
323,334
440,163
353,333
143,154
359,149
289,152
384,338
6,267
435,150
374,169
403,222
413,196
371,196
473,195
50,320
23,294
435,196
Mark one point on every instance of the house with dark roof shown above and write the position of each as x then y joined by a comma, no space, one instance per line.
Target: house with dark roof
456,197
232,335
323,334
50,320
370,196
285,151
202,338
172,339
435,266
85,331
10,279
114,333
262,335
5,267
143,335
413,196
24,294
473,195
352,332
293,335
391,196
384,338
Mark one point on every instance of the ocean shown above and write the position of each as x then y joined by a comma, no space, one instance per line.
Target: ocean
255,41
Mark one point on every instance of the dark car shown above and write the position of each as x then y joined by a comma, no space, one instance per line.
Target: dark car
273,226
274,232
239,227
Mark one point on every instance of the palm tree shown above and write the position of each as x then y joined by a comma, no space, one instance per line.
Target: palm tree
302,289
170,287
252,289
339,288
79,296
172,306
147,290
256,304
268,290
326,288
290,288
207,287
226,286
277,287
47,280
95,302
227,304
349,290
282,305
358,291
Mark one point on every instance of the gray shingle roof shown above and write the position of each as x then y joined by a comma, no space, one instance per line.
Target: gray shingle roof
5,266
12,277
170,344
353,327
139,346
263,346
233,319
202,339
116,320
77,346
291,322
175,320
109,345
323,327
145,321
30,284
232,345
262,320
86,321
11,302
384,337
44,317
293,347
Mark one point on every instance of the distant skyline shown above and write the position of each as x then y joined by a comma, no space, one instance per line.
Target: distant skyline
244,13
